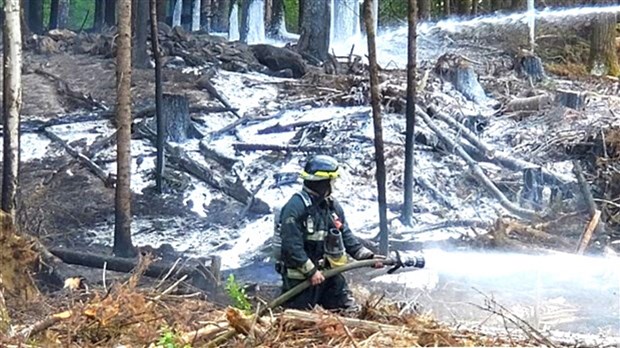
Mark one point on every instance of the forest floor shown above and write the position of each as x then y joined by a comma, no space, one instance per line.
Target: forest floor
62,202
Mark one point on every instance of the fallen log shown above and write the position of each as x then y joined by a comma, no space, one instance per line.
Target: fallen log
282,128
440,197
479,175
283,148
241,122
537,102
194,337
157,269
487,154
107,179
204,82
64,89
208,153
42,325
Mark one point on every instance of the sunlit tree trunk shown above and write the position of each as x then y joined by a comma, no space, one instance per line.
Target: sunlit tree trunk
11,105
378,128
122,230
603,56
410,123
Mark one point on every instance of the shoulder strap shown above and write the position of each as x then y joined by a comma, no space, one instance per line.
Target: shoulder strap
305,197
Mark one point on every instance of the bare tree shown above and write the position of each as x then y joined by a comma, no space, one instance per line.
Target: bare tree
378,128
12,103
122,232
207,14
161,125
410,126
603,57
314,35
140,54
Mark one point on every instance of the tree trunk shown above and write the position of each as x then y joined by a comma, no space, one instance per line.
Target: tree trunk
300,15
424,7
35,16
12,102
314,36
63,13
123,246
99,15
268,12
474,8
221,16
53,14
446,8
603,57
177,13
161,130
410,124
110,12
207,15
464,7
141,57
162,10
196,11
276,21
376,117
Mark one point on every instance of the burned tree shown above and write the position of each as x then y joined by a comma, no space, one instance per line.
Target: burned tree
410,124
378,128
12,102
161,130
314,36
220,10
122,232
603,57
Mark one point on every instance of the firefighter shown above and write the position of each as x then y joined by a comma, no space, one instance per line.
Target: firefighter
315,236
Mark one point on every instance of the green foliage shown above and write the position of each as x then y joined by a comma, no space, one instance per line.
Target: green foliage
237,295
291,15
169,339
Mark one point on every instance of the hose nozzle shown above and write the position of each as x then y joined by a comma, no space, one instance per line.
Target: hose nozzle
416,261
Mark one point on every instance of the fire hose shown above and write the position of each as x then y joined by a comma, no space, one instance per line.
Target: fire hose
395,260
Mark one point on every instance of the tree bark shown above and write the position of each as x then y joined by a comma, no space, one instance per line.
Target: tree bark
141,57
446,8
410,123
314,36
12,102
603,57
375,99
110,12
474,8
122,232
424,7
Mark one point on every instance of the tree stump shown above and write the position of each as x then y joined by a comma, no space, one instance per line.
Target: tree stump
458,71
570,99
528,65
175,111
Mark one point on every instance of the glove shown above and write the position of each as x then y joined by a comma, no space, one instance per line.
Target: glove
363,254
